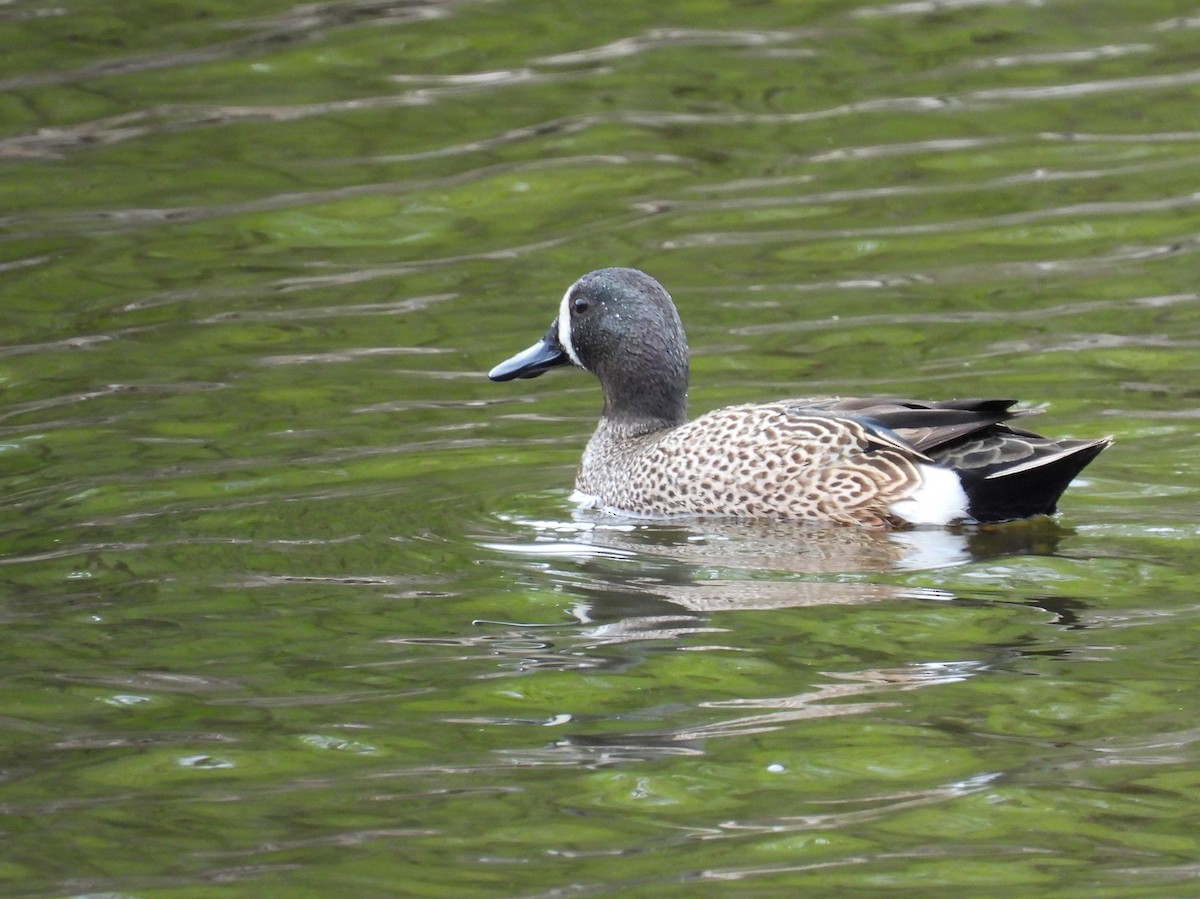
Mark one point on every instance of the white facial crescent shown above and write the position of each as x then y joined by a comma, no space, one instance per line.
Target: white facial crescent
564,326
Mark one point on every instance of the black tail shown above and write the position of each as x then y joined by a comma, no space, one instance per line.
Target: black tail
1031,486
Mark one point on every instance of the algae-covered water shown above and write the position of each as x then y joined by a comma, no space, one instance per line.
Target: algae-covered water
293,600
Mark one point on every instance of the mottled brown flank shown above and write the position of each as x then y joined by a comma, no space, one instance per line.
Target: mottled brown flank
760,461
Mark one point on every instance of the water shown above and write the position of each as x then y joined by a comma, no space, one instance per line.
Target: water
294,602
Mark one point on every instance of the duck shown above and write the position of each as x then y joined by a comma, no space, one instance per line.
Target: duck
879,462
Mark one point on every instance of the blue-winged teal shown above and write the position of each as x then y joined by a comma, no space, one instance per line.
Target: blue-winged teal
880,461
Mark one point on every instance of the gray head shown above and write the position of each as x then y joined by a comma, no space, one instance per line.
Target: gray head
619,324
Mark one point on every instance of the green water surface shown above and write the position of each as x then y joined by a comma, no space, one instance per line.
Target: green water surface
293,600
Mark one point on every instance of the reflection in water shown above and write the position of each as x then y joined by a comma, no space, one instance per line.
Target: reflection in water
634,582
719,544
644,582
637,582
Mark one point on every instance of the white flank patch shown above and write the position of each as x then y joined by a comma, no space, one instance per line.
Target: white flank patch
564,326
939,500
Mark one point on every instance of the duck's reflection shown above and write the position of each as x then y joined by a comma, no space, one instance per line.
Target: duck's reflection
639,581
782,546
633,583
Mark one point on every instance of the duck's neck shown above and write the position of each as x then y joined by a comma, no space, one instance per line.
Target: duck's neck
641,396
646,408
625,428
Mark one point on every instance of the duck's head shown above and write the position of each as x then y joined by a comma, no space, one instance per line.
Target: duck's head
619,324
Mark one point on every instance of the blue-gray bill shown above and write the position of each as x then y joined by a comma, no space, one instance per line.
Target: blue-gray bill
539,358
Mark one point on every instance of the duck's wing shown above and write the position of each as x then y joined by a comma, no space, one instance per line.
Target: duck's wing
1007,472
928,427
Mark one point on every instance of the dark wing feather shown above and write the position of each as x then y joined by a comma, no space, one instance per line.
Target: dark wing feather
928,426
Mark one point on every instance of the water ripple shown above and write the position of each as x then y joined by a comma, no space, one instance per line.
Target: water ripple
950,145
109,220
658,38
1108,51
1036,176
1082,308
299,23
925,7
1077,210
1137,83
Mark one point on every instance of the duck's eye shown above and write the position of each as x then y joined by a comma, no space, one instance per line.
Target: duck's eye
581,304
